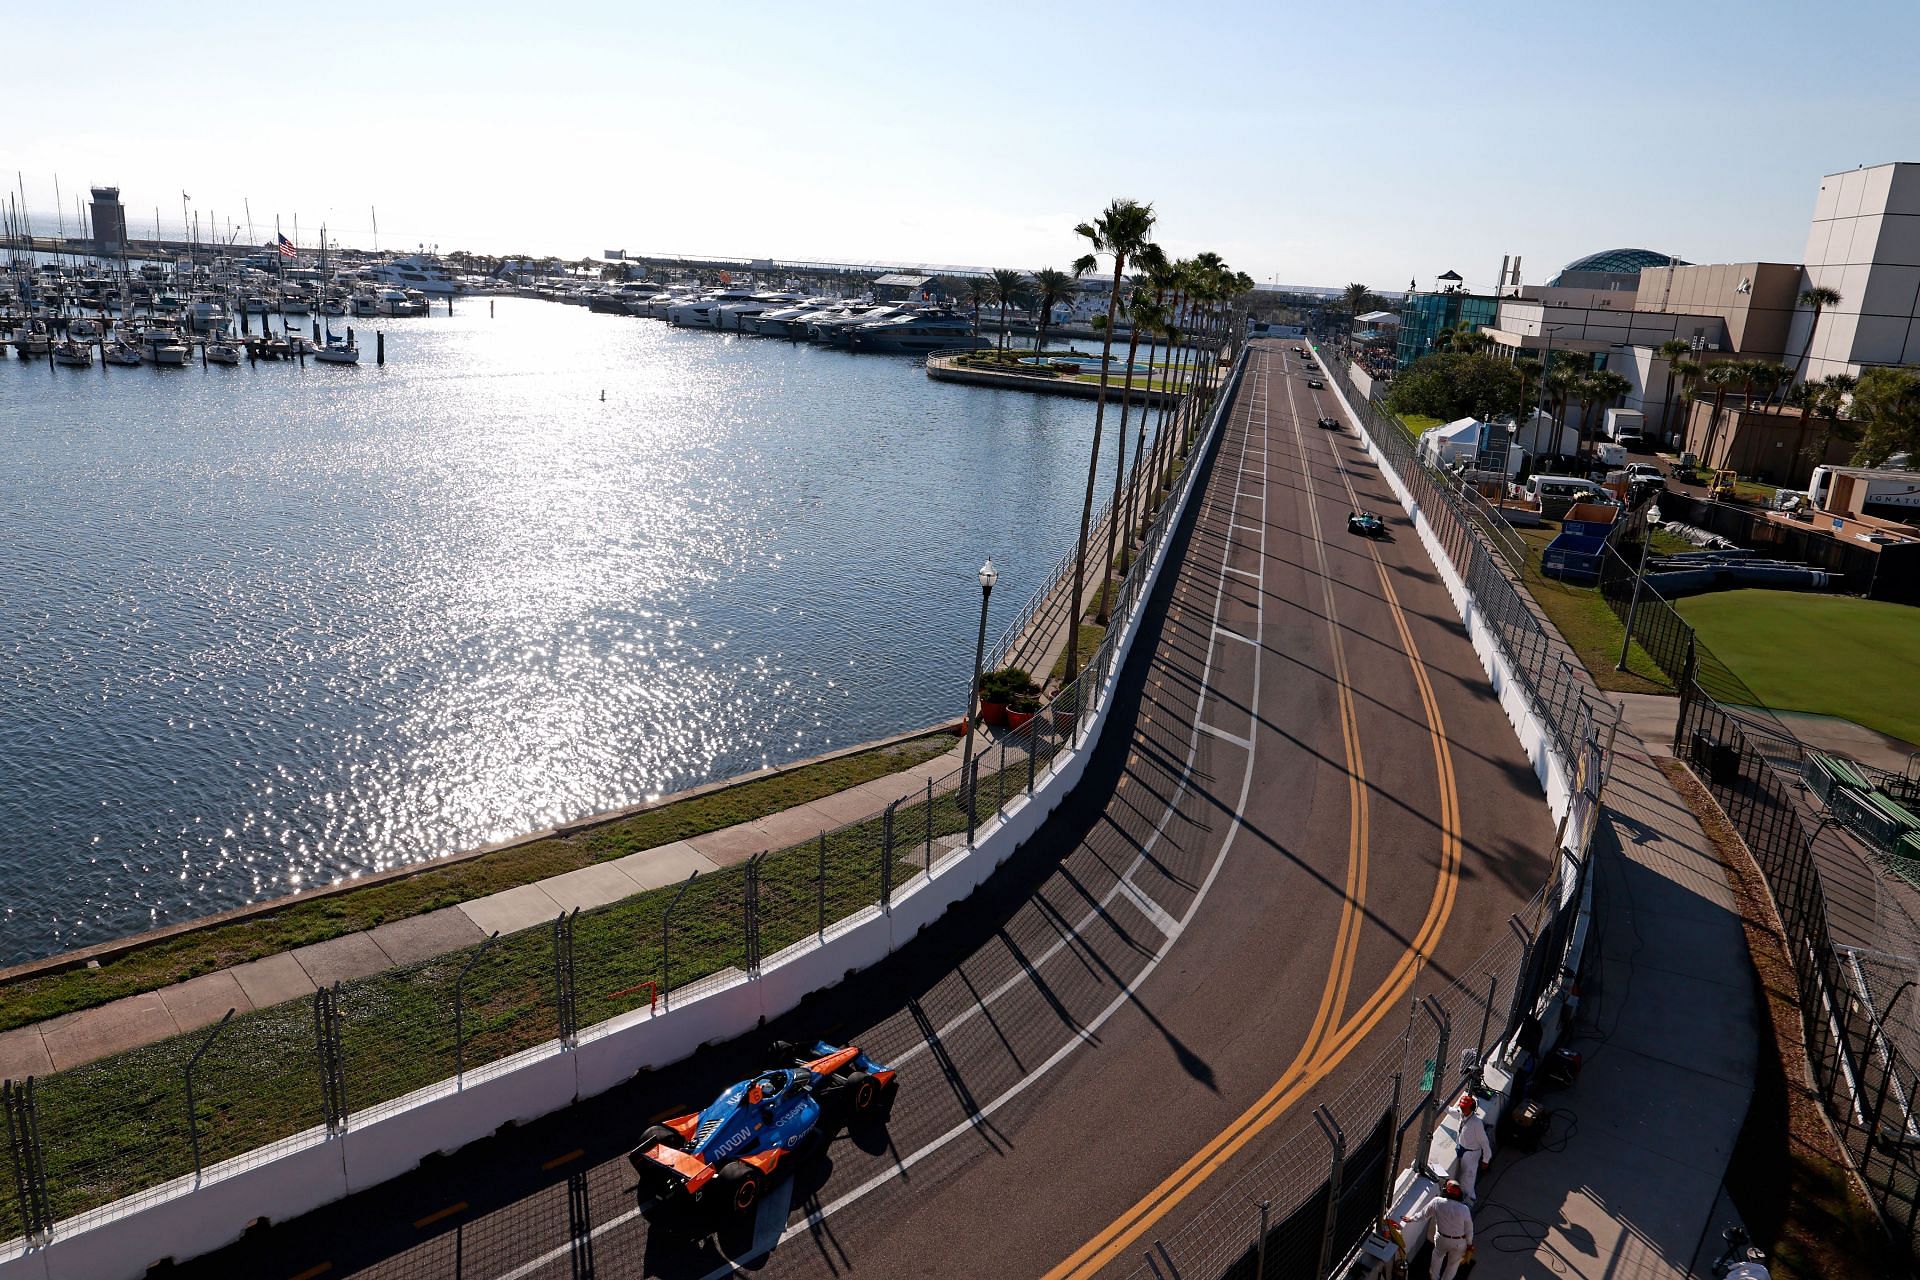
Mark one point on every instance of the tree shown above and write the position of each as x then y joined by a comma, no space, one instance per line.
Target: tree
1597,390
1721,377
1148,315
1829,396
1819,297
1672,351
1529,368
1119,233
979,290
1008,286
1147,255
1688,372
1355,296
1051,287
1452,385
1886,402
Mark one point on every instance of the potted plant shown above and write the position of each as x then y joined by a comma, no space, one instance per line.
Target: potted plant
997,689
1023,706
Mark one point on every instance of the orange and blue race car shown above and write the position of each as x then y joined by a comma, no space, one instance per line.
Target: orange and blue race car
723,1156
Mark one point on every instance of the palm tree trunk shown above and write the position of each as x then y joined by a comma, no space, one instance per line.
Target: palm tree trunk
1072,667
1813,327
1003,328
1666,408
1140,470
1114,541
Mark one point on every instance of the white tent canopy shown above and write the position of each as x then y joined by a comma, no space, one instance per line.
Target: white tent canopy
1457,441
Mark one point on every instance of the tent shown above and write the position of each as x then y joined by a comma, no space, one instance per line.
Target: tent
1457,441
1539,438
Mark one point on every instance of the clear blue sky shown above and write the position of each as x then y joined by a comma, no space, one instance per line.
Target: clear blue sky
1314,144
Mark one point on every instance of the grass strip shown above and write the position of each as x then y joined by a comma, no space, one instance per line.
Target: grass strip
117,1126
1787,1175
300,923
1587,622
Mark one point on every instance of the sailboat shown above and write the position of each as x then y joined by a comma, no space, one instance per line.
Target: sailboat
338,350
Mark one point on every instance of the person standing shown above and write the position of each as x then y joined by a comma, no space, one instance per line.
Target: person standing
1452,1225
1473,1151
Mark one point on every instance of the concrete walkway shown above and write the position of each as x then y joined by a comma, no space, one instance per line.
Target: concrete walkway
1628,1181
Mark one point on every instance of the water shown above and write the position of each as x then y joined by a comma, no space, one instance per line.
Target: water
264,628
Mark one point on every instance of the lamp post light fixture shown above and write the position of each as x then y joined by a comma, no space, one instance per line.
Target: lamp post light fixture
1639,577
988,576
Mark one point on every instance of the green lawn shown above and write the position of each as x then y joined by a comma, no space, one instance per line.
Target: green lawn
1588,623
1830,655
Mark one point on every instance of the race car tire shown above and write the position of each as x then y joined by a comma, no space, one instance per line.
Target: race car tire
862,1094
739,1186
659,1135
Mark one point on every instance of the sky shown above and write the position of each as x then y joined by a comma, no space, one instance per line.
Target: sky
1378,143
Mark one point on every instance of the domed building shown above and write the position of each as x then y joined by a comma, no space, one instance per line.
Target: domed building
1611,269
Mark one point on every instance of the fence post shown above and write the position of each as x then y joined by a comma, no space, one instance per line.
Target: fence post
750,912
886,856
929,828
1260,1242
459,1003
666,921
193,1119
1000,783
1443,1026
1393,1127
333,1071
567,1016
24,1153
1486,1011
1520,984
820,888
1323,1116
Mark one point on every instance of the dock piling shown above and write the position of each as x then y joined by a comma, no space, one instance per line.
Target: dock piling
380,346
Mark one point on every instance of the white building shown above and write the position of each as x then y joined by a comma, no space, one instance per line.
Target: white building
1865,243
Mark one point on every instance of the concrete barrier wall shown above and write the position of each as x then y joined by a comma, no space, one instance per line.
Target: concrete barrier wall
1554,772
181,1220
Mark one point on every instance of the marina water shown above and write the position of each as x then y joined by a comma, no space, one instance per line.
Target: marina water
265,627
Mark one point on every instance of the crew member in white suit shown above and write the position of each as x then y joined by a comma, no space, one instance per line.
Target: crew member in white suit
1474,1151
1452,1225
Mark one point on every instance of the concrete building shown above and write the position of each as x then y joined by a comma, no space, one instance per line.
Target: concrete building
1754,301
1775,446
1864,241
109,220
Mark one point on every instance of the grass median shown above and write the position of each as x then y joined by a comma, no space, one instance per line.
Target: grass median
310,920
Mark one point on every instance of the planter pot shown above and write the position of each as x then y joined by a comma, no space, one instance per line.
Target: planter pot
1063,721
993,713
1018,719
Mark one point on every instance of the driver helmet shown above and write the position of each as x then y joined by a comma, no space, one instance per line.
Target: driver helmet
753,1094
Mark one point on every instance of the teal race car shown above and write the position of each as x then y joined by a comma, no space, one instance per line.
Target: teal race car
1366,524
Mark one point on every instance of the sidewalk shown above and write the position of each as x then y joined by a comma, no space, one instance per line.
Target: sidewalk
1628,1180
72,1040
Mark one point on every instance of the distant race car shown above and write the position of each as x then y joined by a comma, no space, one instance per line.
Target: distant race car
1316,384
1331,424
724,1156
1366,523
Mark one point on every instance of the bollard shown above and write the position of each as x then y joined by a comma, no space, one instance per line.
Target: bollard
379,346
489,308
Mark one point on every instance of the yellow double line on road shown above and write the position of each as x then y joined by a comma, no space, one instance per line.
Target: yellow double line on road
1322,1052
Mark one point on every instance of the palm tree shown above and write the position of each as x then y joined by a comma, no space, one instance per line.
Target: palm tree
1355,296
1598,389
1051,287
1562,381
1819,297
1150,257
1688,372
1119,232
979,290
1008,286
1671,350
1529,368
1830,395
1721,378
1468,341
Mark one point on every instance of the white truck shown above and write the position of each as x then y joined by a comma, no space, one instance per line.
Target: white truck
1610,455
1852,490
1627,427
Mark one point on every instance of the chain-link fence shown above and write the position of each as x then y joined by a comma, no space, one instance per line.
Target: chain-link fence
136,1123
1328,1180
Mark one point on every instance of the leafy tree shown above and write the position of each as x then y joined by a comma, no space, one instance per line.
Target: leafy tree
1886,401
1672,351
1120,232
1450,385
979,290
1721,376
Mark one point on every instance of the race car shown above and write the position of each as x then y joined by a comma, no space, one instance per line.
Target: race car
1367,524
1330,424
1316,384
723,1156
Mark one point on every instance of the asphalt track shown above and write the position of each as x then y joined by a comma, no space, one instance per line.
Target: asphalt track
1307,800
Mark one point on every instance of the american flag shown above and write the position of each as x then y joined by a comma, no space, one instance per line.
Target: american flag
286,248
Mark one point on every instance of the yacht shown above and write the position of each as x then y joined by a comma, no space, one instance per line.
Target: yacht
782,323
744,317
223,353
83,329
918,331
395,302
365,301
414,272
293,303
703,312
168,353
30,344
121,352
833,330
208,312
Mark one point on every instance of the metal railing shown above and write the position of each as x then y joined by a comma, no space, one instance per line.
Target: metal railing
140,1125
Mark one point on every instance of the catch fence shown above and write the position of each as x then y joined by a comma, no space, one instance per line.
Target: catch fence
141,1125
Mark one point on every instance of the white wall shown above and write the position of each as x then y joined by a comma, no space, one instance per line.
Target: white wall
1864,241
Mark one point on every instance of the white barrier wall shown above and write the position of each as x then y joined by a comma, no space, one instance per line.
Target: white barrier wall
1549,766
181,1220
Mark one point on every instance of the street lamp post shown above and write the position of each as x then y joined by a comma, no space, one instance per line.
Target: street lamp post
988,575
1639,577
